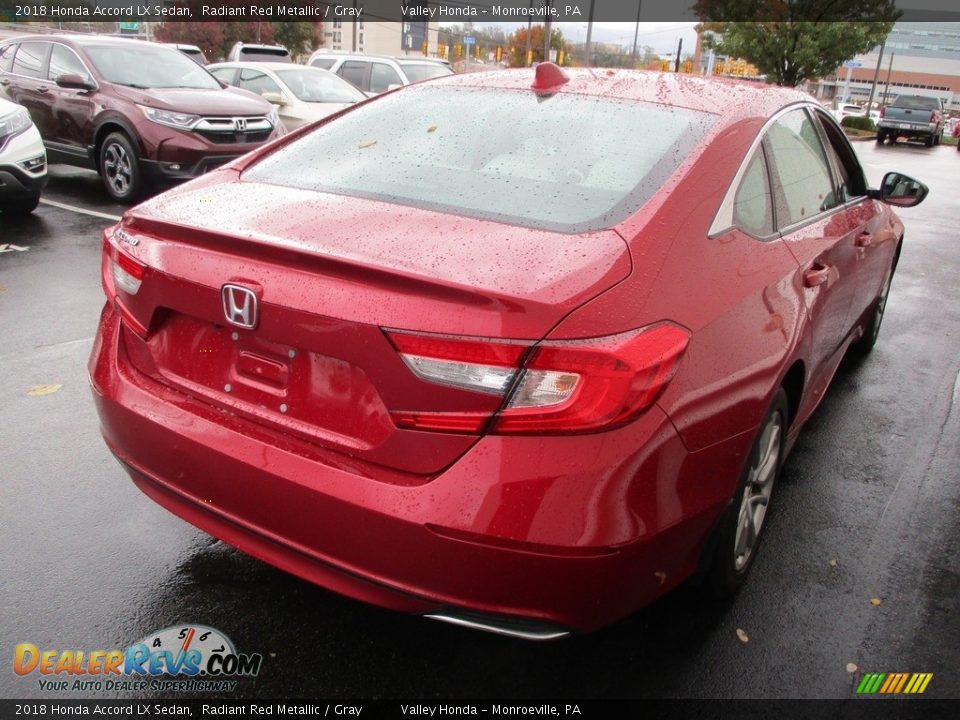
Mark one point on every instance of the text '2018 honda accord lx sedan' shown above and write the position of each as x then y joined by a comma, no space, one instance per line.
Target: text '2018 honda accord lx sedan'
518,351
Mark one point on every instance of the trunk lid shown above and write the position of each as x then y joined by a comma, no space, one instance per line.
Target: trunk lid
328,273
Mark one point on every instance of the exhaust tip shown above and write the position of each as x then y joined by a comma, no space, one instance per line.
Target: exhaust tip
515,627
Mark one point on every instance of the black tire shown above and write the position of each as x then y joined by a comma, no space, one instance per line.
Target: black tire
14,208
881,136
928,140
732,558
937,138
871,326
120,169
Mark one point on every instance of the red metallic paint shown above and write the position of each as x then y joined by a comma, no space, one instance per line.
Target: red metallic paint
576,530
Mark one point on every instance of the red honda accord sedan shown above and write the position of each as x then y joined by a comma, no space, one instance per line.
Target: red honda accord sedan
518,351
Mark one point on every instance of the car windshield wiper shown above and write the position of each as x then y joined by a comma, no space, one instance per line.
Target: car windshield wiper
134,85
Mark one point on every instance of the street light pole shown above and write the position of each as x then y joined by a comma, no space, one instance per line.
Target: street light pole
876,75
636,34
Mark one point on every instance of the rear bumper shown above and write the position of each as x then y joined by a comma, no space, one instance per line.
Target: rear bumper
551,533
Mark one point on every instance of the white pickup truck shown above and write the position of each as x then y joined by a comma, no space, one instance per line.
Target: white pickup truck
915,117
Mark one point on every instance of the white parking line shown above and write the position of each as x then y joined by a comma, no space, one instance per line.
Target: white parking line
82,211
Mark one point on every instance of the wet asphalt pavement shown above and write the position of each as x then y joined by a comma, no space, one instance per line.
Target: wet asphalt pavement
88,562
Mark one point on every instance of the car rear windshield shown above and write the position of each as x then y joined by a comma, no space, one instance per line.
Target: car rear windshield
916,102
313,85
424,71
142,65
569,163
259,54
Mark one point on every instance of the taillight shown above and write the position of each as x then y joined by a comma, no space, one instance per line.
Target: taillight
883,110
553,387
933,116
127,272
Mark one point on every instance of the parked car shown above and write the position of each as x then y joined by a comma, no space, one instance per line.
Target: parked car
133,111
455,364
191,51
846,110
301,94
249,52
23,161
956,132
375,73
914,117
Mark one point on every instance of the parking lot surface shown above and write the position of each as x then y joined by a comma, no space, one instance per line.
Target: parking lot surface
860,566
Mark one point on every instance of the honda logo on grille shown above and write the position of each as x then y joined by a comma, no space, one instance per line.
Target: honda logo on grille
240,124
240,306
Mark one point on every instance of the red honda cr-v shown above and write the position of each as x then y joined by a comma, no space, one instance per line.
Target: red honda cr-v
133,111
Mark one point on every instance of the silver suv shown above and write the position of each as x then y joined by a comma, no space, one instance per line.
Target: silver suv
376,73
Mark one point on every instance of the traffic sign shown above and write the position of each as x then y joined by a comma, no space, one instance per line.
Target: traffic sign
469,40
852,64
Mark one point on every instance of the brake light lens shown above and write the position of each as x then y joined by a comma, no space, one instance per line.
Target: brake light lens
883,110
553,387
127,272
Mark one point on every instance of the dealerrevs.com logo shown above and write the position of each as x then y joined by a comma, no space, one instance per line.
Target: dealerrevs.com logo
181,657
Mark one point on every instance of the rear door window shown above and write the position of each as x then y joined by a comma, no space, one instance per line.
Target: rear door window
355,73
802,180
382,76
30,58
323,63
753,205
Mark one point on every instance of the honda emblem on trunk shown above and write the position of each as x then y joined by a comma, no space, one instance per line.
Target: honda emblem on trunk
239,306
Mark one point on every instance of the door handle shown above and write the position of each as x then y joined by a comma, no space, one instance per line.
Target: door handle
43,89
865,240
4,82
817,275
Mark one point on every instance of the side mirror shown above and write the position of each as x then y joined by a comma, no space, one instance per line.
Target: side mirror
901,190
274,98
73,81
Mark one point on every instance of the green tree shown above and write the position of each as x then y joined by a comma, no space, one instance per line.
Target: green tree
795,39
298,37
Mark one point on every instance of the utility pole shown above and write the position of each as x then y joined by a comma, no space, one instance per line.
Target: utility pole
636,34
353,44
526,52
886,89
589,46
547,27
876,74
676,64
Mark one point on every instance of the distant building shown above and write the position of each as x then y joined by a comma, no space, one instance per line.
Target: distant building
925,61
380,38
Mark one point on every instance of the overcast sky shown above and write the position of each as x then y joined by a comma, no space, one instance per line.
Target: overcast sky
662,37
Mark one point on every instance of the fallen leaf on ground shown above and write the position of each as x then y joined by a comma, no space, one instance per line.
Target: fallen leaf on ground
38,390
432,128
742,634
875,601
834,563
851,668
367,143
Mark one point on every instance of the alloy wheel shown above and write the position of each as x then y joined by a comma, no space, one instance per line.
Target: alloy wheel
117,168
756,494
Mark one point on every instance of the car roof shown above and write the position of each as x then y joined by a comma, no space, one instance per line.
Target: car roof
87,40
733,99
264,65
